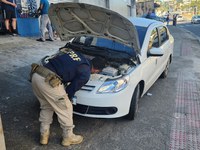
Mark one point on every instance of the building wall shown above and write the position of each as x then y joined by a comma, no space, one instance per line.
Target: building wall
101,3
123,7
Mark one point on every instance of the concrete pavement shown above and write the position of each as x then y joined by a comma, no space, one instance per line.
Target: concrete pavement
19,108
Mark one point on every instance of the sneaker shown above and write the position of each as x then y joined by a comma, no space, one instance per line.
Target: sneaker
14,32
49,40
8,32
73,139
40,40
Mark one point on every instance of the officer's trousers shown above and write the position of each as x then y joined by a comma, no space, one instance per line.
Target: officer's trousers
52,100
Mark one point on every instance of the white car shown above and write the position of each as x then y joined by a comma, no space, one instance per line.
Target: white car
179,18
195,19
138,51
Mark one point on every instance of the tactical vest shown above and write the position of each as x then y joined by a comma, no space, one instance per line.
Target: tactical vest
65,64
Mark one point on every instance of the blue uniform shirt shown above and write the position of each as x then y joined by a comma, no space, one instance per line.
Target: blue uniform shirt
73,68
45,8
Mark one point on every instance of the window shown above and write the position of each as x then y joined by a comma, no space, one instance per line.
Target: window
129,10
163,34
154,40
142,32
107,4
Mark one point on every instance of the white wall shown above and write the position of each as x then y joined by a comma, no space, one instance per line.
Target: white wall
120,6
101,3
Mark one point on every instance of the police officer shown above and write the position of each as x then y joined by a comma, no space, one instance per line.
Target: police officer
66,68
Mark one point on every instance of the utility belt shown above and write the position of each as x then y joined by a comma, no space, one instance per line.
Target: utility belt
51,77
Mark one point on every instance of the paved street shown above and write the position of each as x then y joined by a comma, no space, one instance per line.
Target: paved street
167,119
193,28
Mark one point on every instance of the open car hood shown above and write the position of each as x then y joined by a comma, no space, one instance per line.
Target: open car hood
76,19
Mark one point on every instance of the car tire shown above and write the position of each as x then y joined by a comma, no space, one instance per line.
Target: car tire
165,72
134,104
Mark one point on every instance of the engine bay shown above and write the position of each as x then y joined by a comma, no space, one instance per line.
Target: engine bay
117,70
114,67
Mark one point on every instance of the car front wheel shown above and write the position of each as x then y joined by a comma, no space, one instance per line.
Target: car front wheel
134,104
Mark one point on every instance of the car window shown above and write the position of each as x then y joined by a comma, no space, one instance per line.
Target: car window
141,34
163,34
154,41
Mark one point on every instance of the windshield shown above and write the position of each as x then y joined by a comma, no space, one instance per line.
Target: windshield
104,44
141,34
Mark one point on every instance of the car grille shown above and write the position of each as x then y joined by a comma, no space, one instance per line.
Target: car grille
84,109
87,88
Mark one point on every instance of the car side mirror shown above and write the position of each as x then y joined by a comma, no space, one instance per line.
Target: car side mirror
156,52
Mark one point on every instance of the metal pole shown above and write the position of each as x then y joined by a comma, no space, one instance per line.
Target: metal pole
133,8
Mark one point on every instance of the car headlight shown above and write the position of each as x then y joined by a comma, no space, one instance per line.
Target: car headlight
113,86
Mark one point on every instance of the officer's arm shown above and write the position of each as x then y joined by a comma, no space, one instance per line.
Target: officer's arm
81,78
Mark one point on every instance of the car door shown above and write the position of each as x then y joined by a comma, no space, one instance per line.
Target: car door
151,62
165,47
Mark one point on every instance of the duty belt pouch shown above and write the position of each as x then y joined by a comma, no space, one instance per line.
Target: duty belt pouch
52,78
33,69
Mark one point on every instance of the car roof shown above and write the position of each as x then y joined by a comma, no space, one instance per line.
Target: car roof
143,22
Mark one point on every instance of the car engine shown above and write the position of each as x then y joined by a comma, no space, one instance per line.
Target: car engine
115,69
